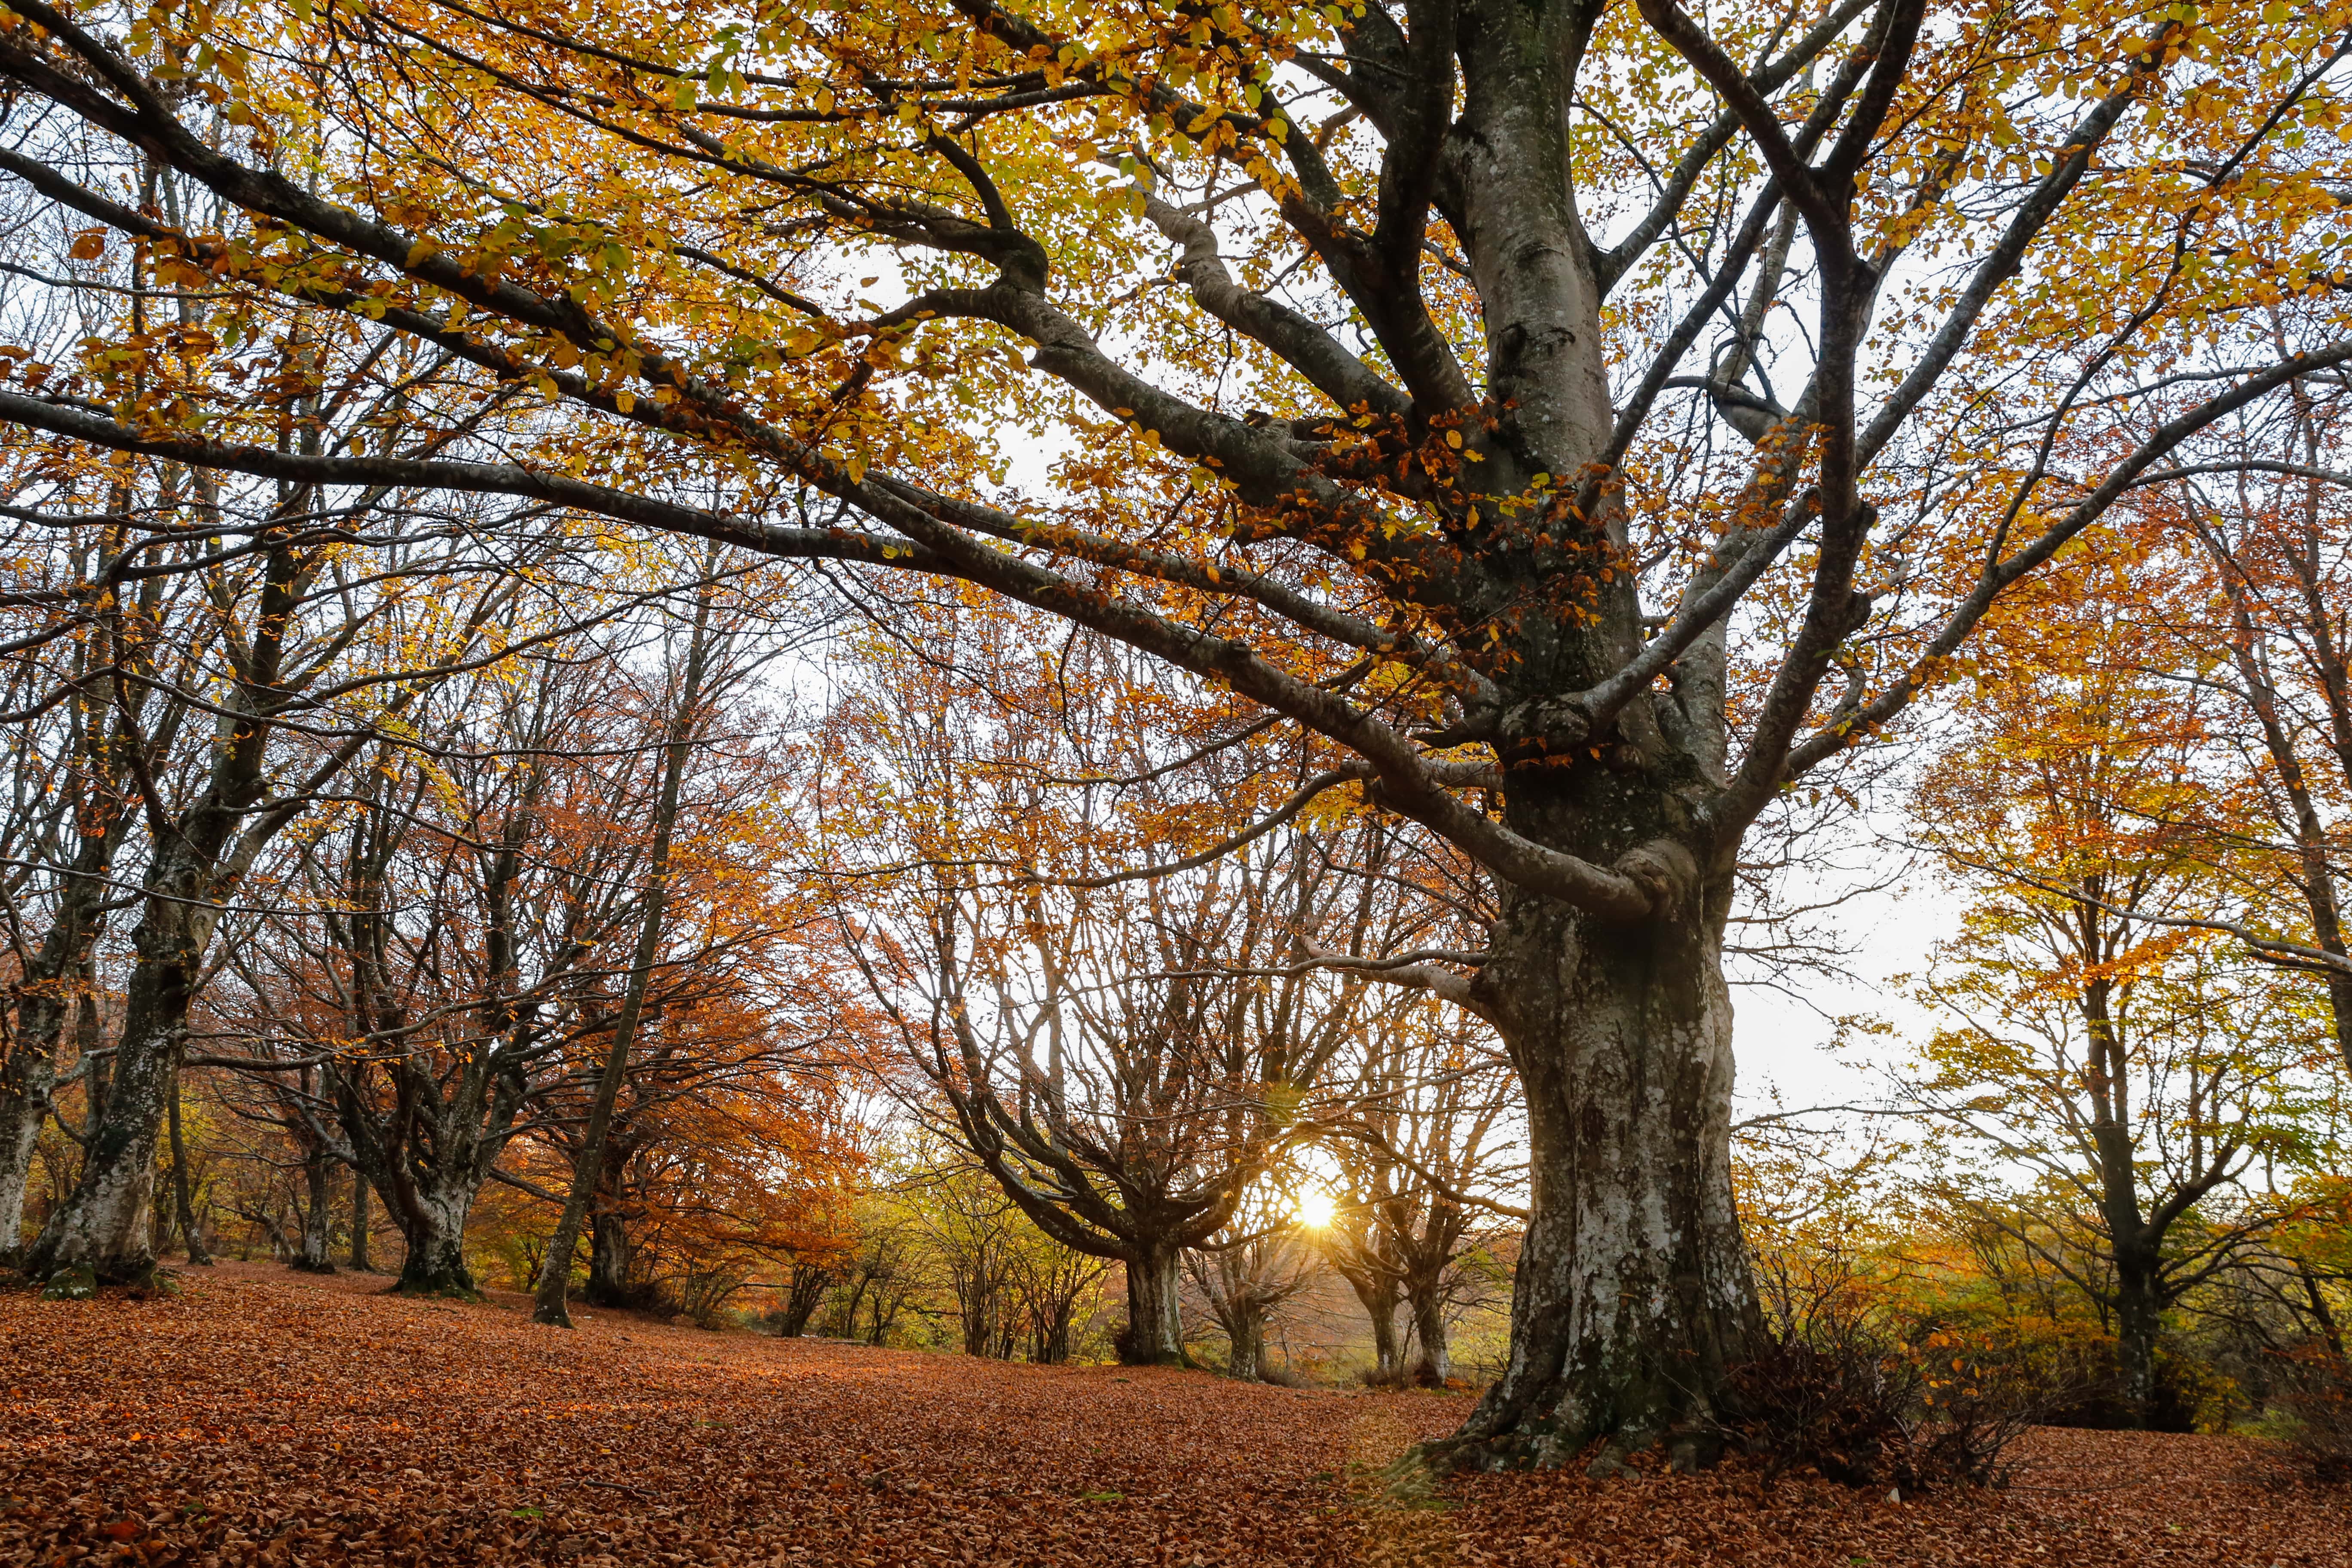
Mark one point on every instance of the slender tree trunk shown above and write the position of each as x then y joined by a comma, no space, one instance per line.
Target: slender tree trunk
28,1080
1155,1332
1632,1297
555,1269
317,1213
192,1230
2139,1320
360,1262
1434,1364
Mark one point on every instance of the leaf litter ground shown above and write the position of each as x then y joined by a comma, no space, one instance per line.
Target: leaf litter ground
260,1416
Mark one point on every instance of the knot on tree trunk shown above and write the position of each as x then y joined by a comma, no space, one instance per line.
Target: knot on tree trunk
1664,870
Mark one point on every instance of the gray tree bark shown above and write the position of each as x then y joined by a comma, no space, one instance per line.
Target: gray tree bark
433,1222
1632,1297
1155,1327
318,1212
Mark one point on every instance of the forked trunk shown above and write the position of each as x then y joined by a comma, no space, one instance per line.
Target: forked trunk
1155,1333
1634,1296
1050,1333
802,1295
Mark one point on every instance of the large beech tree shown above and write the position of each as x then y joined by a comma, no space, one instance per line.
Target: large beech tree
1575,420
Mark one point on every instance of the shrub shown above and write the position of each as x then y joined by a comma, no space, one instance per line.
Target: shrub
2315,1396
2083,1385
1833,1386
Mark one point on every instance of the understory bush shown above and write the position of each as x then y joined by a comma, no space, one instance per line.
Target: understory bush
1836,1385
2080,1381
1847,1400
2315,1394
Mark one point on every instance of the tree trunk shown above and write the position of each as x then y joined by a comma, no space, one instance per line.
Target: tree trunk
360,1262
435,1227
26,1081
42,996
1632,1297
1378,1298
801,1297
192,1232
103,1225
1245,1331
2139,1318
1154,1334
608,1260
1434,1364
318,1215
1052,1347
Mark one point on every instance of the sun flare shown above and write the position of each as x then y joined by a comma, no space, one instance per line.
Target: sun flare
1316,1209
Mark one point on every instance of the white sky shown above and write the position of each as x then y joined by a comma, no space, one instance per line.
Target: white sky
1782,1040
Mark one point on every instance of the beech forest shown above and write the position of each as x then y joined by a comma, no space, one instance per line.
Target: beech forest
1189,782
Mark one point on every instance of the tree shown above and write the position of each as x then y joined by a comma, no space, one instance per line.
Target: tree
1125,1054
688,712
1415,454
1424,1141
2130,1065
295,665
290,1103
457,923
1245,1275
2257,608
89,723
1052,1283
1124,1091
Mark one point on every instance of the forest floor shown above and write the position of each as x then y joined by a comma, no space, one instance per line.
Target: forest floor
263,1417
